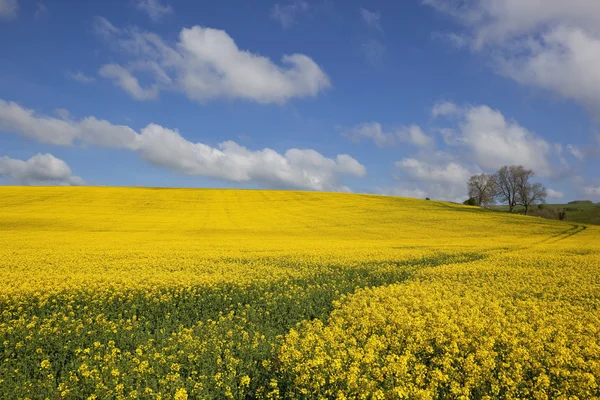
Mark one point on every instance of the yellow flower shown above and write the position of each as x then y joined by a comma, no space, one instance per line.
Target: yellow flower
373,296
181,394
245,381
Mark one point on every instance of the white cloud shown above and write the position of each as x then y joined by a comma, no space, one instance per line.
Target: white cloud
551,44
206,63
445,108
565,61
495,141
155,10
437,175
415,135
14,118
296,168
554,194
286,15
495,21
373,130
41,169
217,67
481,140
450,136
8,8
65,132
103,27
62,113
559,150
422,171
80,77
575,152
371,18
129,83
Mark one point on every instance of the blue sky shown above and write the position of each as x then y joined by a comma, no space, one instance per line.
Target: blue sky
402,98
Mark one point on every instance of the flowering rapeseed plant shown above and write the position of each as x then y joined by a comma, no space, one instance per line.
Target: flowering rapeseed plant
174,293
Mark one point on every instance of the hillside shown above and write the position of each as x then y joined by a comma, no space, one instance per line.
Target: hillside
582,213
187,293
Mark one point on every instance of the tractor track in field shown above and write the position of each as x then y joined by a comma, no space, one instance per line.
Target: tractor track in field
575,229
560,236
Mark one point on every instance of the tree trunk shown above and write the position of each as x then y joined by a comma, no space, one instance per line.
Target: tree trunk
526,208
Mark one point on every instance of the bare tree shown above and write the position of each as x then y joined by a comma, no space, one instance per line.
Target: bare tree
513,187
482,188
507,185
531,193
528,193
522,176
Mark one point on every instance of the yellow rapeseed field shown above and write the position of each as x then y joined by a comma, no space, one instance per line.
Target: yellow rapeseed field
124,293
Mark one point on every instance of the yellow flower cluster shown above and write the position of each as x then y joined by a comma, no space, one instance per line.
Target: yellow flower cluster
181,294
517,324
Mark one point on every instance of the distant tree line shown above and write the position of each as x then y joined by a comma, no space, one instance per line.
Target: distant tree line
510,185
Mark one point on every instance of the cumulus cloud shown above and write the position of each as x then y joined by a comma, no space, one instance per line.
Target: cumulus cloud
41,169
65,132
435,174
496,21
286,14
576,152
479,139
494,141
104,28
374,131
297,168
154,8
164,147
451,172
129,83
8,8
62,112
554,194
371,18
415,135
445,108
551,44
206,63
564,60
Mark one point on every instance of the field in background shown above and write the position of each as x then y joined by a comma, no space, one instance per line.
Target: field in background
583,213
183,294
